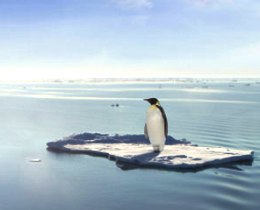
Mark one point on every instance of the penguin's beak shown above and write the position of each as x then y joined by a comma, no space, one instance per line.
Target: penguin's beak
146,99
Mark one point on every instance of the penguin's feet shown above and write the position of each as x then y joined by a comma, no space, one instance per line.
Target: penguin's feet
156,148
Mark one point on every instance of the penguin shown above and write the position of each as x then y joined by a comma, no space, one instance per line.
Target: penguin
156,126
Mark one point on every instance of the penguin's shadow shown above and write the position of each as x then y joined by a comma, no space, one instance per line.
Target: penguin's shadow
145,157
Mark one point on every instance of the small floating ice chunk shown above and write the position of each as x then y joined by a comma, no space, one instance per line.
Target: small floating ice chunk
35,160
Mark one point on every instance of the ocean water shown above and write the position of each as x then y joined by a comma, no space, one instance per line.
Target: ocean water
212,113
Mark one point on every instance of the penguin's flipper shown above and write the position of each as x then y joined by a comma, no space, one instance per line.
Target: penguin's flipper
145,132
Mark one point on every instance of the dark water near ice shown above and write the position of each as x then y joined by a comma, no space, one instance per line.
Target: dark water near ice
220,114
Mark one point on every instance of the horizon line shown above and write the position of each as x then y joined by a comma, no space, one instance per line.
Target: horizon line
118,79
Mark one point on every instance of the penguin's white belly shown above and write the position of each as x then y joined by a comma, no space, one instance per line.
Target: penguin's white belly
155,127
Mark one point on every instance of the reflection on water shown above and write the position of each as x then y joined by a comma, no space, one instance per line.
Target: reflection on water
33,114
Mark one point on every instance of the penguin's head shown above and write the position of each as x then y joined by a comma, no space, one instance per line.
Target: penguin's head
152,101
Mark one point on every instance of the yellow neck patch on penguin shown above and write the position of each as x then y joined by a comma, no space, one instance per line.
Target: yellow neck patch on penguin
154,106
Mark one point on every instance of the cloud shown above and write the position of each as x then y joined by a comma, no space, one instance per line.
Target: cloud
215,1
239,8
212,4
236,5
134,4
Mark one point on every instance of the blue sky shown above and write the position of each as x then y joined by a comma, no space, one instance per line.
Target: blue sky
72,39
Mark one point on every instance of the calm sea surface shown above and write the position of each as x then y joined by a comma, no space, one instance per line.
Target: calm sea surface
213,114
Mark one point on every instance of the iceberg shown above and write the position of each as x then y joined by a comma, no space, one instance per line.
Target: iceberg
133,151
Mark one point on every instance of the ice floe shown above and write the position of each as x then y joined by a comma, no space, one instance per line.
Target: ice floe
136,151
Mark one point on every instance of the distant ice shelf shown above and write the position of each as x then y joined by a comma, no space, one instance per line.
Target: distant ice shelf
131,151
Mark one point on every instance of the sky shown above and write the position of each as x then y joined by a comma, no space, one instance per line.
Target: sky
80,39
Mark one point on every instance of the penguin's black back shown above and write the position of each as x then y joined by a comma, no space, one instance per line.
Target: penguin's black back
164,119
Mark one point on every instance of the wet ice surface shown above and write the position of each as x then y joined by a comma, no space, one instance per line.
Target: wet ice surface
135,149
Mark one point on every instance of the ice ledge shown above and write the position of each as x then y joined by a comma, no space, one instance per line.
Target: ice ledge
136,151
